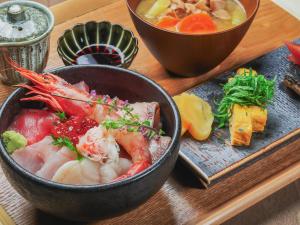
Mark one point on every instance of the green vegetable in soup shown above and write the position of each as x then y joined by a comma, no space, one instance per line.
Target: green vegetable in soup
158,8
238,16
13,140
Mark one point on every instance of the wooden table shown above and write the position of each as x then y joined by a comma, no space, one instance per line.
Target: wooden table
182,200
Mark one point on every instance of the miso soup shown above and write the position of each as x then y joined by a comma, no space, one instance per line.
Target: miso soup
193,16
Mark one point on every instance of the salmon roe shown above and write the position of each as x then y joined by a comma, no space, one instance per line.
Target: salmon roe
73,128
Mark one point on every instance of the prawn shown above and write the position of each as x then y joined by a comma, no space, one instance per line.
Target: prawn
48,87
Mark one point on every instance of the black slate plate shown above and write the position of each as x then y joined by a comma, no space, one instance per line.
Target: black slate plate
215,158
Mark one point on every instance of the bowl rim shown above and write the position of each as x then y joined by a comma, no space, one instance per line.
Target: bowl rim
63,56
249,18
82,188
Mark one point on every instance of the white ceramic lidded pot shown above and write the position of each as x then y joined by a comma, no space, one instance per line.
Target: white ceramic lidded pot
25,27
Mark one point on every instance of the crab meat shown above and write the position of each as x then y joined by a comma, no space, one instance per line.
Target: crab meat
98,145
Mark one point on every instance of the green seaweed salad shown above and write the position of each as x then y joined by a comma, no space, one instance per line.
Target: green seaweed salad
247,88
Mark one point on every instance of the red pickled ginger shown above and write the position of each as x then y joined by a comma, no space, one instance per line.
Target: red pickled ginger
295,50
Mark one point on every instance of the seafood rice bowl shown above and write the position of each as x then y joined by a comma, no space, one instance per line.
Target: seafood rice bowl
85,136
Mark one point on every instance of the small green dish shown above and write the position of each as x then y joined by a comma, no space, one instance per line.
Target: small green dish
98,43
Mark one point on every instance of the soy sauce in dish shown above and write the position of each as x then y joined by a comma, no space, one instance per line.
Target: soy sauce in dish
100,54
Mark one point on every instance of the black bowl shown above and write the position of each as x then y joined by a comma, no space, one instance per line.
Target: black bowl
92,202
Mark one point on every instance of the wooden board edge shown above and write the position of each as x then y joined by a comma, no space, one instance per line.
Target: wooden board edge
252,196
74,8
195,169
207,181
262,151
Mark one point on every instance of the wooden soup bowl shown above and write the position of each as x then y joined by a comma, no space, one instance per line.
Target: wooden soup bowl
191,54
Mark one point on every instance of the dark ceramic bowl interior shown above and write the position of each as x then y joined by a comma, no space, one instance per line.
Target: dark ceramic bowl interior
98,43
92,202
191,54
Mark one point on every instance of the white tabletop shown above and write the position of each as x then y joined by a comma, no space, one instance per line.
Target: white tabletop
291,6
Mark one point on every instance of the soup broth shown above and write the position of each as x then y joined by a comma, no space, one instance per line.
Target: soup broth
193,16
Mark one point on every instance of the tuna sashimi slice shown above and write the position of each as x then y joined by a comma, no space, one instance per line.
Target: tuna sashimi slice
34,124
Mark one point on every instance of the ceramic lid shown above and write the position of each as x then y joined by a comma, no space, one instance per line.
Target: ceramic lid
23,21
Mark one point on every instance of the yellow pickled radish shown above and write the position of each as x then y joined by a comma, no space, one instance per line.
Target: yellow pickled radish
200,117
158,8
179,102
196,115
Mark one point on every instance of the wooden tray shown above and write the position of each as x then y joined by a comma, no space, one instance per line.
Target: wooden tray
181,200
215,158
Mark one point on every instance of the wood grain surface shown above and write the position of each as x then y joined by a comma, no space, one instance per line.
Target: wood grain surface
182,200
283,207
75,8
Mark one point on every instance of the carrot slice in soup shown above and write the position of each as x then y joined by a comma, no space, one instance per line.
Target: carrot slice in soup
167,22
197,23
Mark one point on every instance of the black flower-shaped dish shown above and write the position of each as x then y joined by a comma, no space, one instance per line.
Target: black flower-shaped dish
98,43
